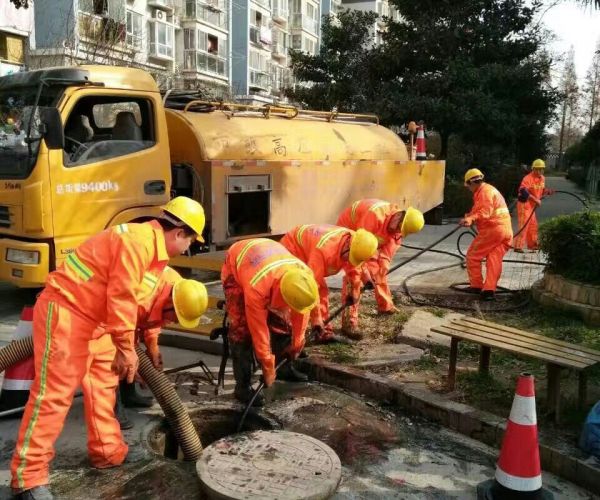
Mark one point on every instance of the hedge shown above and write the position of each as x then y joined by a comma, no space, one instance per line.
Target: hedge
572,246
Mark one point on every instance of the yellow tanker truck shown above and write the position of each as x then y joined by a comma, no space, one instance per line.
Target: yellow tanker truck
88,147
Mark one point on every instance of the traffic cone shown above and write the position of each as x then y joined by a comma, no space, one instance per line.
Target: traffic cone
518,471
18,377
421,153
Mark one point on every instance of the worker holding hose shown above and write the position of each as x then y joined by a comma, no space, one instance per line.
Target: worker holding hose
389,223
176,299
103,282
531,191
491,217
269,294
327,250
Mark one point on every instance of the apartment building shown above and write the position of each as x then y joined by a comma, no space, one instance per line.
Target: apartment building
382,7
205,51
16,37
137,33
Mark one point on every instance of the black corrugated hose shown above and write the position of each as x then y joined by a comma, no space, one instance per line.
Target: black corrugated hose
159,384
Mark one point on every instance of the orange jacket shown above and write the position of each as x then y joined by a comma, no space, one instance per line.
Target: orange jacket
113,273
374,216
536,186
489,208
320,246
257,266
150,320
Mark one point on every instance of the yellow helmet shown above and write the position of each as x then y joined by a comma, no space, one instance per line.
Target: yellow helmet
472,173
190,300
299,289
413,222
538,163
363,246
188,211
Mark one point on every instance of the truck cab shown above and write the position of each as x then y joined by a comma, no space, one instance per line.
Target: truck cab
80,149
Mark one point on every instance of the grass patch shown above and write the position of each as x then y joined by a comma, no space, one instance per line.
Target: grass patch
340,353
485,391
436,311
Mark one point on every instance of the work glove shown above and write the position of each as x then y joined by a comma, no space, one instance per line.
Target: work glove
125,364
465,222
317,331
268,374
291,352
155,356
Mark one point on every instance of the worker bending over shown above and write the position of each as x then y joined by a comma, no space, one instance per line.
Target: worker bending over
531,191
328,249
494,234
102,283
176,299
389,223
267,290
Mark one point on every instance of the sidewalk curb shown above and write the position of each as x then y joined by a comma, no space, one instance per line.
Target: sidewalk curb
477,424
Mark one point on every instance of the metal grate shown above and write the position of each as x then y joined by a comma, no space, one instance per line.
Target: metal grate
4,217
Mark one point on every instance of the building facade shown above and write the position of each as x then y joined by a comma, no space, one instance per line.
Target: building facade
17,37
237,48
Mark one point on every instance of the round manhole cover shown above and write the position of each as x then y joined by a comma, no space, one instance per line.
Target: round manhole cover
269,465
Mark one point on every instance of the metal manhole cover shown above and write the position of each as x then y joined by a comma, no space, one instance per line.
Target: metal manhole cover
269,465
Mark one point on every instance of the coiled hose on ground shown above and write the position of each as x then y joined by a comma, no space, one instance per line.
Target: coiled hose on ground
460,255
159,384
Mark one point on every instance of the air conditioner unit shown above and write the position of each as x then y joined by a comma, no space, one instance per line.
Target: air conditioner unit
159,15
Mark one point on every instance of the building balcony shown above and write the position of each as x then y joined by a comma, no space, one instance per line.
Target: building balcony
112,9
161,51
279,50
260,36
264,3
215,14
204,62
259,79
99,29
168,5
280,11
306,23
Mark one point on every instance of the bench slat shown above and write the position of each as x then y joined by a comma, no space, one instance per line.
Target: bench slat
549,347
502,344
524,333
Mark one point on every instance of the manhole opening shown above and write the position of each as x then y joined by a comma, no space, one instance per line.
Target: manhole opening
211,424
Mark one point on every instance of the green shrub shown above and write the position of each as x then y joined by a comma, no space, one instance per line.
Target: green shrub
457,198
572,244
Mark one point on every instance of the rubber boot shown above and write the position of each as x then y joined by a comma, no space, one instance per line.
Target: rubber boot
121,414
242,359
131,398
37,493
287,371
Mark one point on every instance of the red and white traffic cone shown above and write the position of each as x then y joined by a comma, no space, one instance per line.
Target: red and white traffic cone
518,471
18,377
421,152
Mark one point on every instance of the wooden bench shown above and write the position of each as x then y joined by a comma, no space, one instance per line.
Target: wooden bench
556,353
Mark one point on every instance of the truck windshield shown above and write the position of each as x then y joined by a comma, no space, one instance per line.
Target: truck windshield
20,141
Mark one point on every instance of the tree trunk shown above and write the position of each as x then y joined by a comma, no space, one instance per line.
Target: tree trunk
562,133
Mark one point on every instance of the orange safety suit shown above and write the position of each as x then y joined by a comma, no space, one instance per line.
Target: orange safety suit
374,216
101,283
251,274
536,187
320,247
492,220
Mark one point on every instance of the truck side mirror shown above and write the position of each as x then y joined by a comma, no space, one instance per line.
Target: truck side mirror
53,128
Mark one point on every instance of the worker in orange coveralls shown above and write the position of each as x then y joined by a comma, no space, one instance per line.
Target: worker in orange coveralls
267,291
492,220
531,191
389,223
173,293
102,282
328,249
